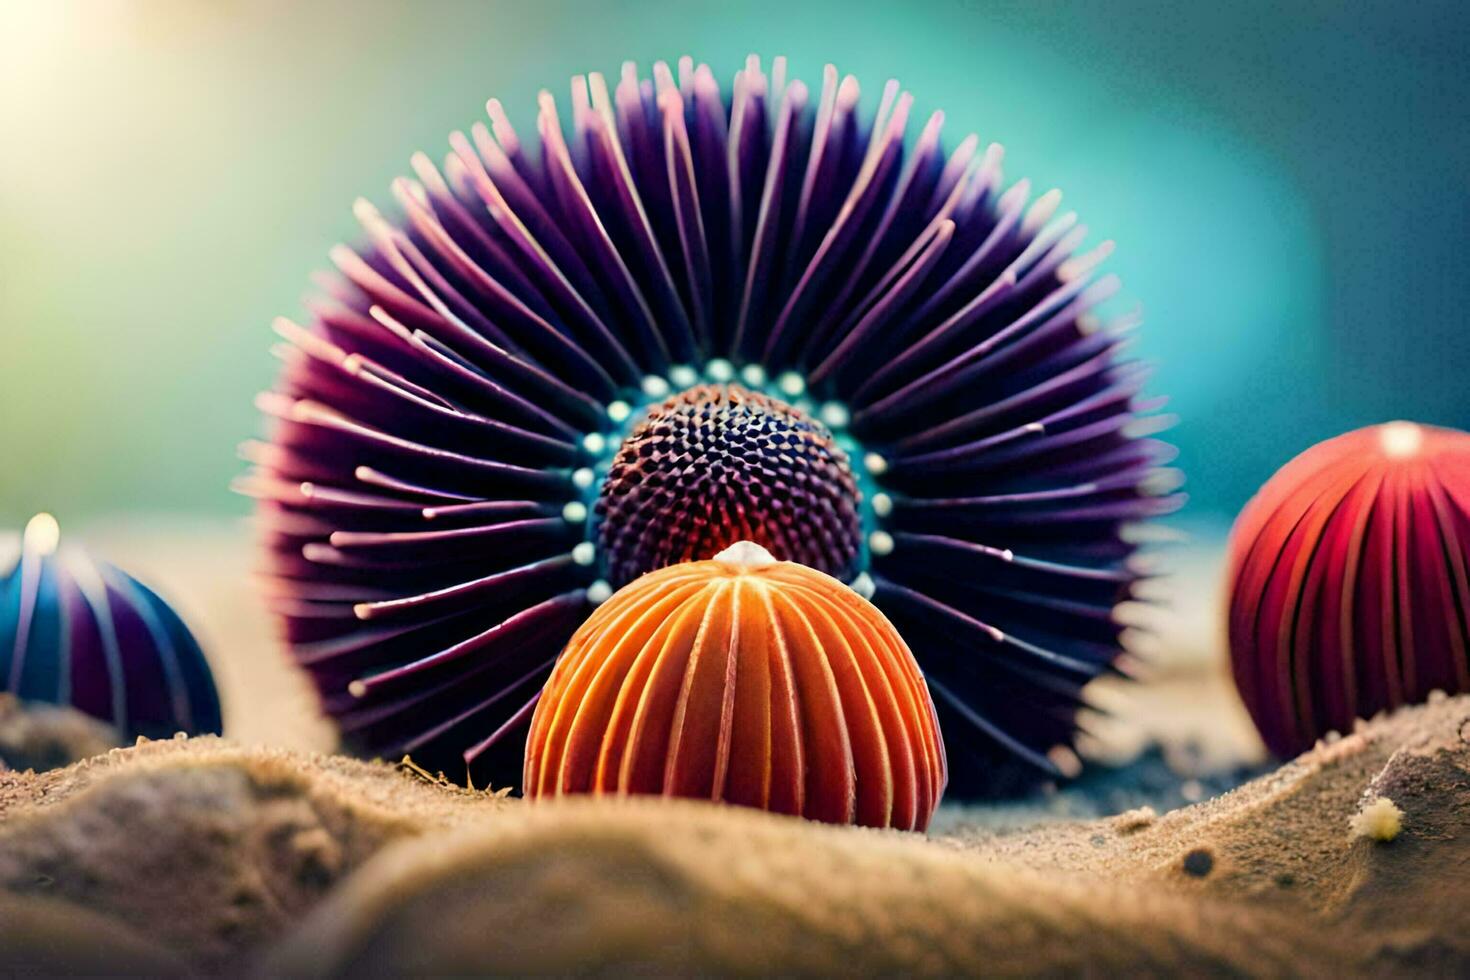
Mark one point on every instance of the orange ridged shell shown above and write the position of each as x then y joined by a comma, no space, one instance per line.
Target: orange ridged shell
744,680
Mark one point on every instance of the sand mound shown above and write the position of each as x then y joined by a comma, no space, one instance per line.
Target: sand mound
682,888
242,860
41,737
39,936
205,847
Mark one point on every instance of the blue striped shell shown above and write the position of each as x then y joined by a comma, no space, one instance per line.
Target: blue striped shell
81,632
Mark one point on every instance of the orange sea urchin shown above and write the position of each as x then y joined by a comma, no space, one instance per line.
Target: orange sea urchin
1348,582
745,680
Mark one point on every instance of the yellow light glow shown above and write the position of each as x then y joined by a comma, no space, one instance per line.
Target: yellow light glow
42,535
1400,439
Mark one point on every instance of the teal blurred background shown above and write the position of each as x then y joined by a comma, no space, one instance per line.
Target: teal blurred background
1286,184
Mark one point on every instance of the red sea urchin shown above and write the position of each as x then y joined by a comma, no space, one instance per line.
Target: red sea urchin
1349,590
698,319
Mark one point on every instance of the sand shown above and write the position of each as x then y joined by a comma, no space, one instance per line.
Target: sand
200,854
265,854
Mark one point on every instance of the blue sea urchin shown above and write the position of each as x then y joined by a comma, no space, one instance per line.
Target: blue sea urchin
81,632
703,318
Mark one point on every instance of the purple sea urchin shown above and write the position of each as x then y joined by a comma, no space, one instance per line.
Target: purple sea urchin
81,632
700,319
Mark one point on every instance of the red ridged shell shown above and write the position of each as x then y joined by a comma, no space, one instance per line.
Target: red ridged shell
744,680
1348,582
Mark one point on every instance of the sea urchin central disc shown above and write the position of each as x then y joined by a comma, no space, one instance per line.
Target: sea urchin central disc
716,464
